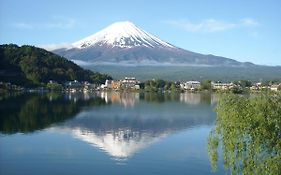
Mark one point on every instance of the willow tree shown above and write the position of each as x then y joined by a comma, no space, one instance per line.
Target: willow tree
248,129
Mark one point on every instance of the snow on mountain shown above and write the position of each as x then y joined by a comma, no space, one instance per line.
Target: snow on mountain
117,143
123,35
125,43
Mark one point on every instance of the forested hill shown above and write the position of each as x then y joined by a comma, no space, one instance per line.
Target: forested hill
29,65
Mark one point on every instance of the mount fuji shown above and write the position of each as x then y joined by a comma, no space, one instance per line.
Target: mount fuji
123,43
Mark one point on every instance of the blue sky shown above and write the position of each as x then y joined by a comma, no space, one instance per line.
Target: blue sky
245,30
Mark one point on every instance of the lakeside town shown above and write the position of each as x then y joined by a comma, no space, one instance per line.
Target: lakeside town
132,84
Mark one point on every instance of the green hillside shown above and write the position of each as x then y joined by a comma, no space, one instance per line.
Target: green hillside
29,65
176,73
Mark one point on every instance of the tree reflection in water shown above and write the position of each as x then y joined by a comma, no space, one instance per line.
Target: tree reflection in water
30,112
248,129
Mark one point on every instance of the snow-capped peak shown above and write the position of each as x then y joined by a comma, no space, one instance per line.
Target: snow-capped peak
122,34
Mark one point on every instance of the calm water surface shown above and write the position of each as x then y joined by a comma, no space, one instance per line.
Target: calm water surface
106,133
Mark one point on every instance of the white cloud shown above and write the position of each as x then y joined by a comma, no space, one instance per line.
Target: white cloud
23,25
249,22
57,22
211,25
51,47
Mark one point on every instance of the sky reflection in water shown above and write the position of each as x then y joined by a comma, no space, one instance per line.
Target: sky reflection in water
146,133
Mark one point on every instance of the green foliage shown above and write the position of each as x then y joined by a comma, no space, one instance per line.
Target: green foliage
206,85
266,83
248,129
31,65
151,86
243,83
174,87
99,78
141,85
54,86
238,90
159,85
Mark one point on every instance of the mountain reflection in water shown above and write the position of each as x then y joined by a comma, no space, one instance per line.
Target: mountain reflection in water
120,124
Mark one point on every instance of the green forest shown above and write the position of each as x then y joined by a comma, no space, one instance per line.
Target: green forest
29,65
248,130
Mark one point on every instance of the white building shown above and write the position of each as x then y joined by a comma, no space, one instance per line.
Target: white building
190,85
129,82
222,86
274,87
106,85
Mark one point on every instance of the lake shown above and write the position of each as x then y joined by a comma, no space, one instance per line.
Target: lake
106,133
